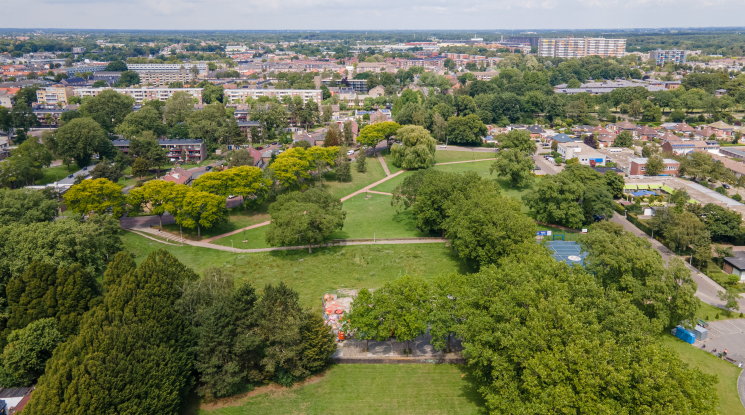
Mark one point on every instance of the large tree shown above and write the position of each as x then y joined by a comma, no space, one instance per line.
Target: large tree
403,307
515,165
109,108
96,195
79,139
153,195
21,207
518,140
467,130
26,354
304,218
146,119
178,108
417,148
202,209
372,134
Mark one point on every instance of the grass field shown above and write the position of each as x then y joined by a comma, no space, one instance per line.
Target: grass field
238,219
359,180
389,161
368,215
708,312
372,389
325,270
729,400
53,174
444,156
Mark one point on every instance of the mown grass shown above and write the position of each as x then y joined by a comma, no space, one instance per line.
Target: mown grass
727,373
239,218
408,389
56,173
368,216
312,275
445,156
374,173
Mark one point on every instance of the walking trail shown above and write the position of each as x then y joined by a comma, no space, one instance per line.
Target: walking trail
464,161
385,166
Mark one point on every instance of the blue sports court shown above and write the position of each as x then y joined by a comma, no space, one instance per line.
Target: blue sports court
567,251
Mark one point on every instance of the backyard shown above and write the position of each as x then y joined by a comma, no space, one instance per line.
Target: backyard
368,389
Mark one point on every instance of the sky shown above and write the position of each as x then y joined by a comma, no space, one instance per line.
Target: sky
477,15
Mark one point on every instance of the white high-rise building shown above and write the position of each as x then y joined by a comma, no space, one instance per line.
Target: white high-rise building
579,47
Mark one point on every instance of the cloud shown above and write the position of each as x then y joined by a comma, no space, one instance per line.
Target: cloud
379,15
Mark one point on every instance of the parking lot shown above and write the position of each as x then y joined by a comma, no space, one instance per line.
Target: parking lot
726,335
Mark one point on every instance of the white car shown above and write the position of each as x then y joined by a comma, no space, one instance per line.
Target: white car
443,146
350,152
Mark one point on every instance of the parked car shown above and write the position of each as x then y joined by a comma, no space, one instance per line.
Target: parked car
259,148
274,143
725,185
537,167
71,176
350,152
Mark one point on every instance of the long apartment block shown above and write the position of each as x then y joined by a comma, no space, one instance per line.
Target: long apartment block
240,94
579,47
141,94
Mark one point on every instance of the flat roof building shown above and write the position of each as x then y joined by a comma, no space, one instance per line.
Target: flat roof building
579,47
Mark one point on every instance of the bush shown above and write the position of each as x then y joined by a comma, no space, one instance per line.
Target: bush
737,197
721,190
717,316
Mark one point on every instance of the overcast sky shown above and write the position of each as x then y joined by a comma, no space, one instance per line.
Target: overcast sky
371,15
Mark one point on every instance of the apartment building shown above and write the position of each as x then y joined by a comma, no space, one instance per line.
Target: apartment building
576,47
165,67
163,78
661,56
141,94
638,167
55,94
240,95
185,150
91,67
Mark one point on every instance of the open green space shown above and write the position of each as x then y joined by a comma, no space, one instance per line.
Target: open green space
388,161
445,156
325,270
359,180
372,389
56,173
708,312
239,218
727,373
369,215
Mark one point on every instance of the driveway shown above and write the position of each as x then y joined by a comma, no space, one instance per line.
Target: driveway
546,166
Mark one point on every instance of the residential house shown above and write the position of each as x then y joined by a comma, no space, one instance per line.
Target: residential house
189,150
735,265
646,133
377,91
178,175
562,138
638,167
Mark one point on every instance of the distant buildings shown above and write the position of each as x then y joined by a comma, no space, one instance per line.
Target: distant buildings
54,95
575,47
240,94
186,150
661,56
165,67
638,167
141,94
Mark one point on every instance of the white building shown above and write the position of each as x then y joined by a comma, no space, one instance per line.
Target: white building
579,47
240,94
141,94
584,153
162,67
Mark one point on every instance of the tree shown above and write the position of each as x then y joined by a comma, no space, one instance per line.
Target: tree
178,108
106,170
279,323
446,316
136,327
109,108
26,163
466,130
289,170
372,134
515,165
363,319
99,196
513,361
623,139
655,165
439,128
318,342
555,198
240,157
483,226
202,209
701,166
146,119
518,140
348,134
210,125
635,109
615,183
140,167
417,148
308,218
344,171
591,141
116,66
127,79
730,300
403,308
27,352
249,183
361,161
333,136
22,207
154,195
80,139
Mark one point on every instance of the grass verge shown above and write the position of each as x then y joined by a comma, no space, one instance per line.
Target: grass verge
445,156
359,180
238,219
56,173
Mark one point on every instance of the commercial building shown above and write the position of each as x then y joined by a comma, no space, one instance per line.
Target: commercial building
576,47
53,95
638,167
186,150
142,94
584,153
240,95
661,56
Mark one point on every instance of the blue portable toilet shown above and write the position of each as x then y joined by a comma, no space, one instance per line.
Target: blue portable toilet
684,335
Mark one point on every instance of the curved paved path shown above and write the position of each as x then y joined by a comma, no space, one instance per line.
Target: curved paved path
385,166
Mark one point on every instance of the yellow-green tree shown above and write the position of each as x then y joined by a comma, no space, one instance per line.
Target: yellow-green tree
99,195
288,170
176,201
249,183
373,134
202,209
216,183
153,195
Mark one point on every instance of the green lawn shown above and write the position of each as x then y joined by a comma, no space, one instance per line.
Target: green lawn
57,173
238,219
372,389
359,180
312,275
388,161
368,215
729,400
444,156
708,312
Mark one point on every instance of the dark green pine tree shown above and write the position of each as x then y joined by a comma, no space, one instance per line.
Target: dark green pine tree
219,370
318,342
77,291
32,295
249,346
122,265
